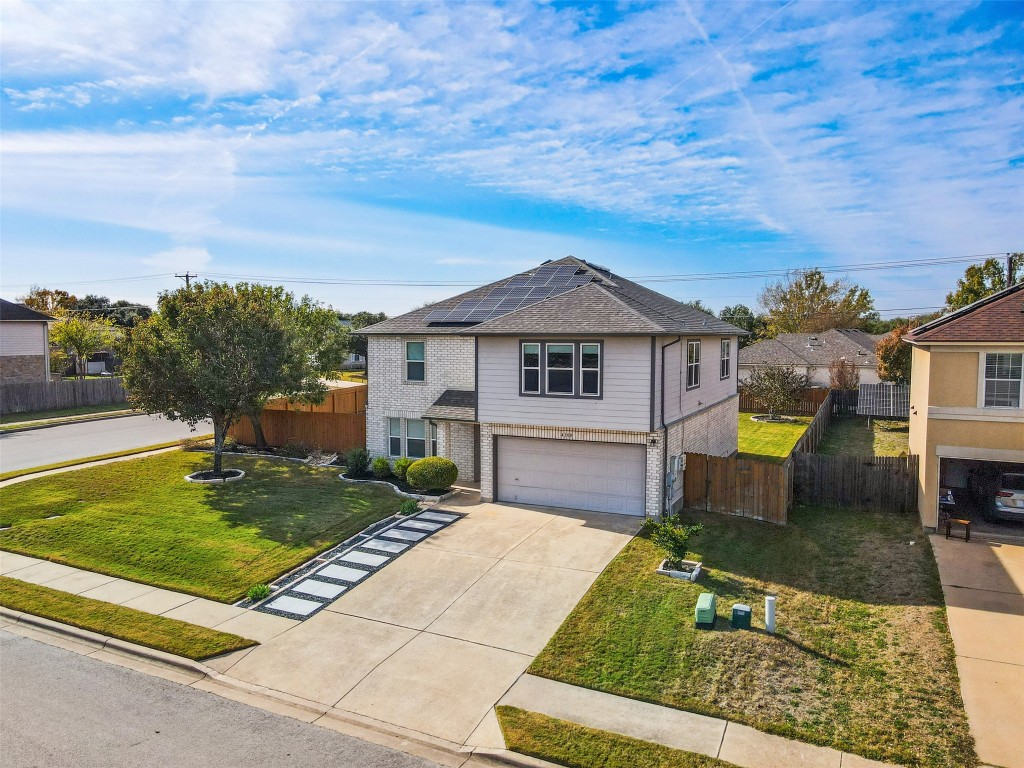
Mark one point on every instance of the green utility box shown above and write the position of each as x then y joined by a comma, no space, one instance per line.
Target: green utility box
705,611
740,616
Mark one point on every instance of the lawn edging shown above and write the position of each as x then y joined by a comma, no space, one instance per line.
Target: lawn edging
37,603
417,496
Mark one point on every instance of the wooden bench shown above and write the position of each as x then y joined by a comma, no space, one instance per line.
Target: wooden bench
965,523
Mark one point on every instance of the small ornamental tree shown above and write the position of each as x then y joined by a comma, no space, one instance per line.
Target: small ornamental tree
843,374
894,356
77,333
776,388
672,536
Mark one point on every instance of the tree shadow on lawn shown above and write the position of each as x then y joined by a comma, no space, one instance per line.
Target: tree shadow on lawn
865,557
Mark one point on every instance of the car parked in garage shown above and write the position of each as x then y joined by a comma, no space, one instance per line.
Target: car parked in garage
1007,503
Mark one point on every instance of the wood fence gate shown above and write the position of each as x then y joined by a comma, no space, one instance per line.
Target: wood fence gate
884,483
757,489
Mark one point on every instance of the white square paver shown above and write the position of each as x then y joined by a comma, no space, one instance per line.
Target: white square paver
398,533
421,525
294,605
437,517
319,588
386,546
364,558
343,573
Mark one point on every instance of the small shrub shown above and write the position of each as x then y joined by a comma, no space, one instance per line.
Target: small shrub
194,444
432,474
401,466
357,462
672,536
409,507
230,443
295,450
258,592
381,467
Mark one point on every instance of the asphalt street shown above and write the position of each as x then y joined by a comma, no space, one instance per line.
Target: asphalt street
60,709
34,448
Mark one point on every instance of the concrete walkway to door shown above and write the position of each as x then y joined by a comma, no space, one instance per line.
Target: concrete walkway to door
983,582
431,643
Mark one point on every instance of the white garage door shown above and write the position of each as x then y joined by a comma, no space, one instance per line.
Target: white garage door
602,477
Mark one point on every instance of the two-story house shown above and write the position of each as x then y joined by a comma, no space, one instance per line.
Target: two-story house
564,386
966,399
24,344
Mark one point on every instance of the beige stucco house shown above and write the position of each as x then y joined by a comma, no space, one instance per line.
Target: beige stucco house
24,344
966,404
563,386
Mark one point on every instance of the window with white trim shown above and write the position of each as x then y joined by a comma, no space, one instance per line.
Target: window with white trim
1003,379
415,438
726,366
433,439
394,437
529,379
561,369
590,370
415,366
692,364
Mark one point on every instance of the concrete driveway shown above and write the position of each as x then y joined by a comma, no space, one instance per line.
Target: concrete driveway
983,582
434,640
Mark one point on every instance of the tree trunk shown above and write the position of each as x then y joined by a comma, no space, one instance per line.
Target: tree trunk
257,430
218,444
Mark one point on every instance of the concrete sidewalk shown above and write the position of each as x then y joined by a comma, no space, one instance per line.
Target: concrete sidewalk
734,743
983,583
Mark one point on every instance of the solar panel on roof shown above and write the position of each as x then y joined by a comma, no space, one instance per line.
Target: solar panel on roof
437,315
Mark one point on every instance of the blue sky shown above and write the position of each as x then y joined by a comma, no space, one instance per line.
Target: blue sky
457,143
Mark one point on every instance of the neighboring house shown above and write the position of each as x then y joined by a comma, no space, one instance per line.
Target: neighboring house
355,361
565,386
811,354
966,399
24,343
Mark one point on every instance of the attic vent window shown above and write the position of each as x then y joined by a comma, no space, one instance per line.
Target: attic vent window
812,342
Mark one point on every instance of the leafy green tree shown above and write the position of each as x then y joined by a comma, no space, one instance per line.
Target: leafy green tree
806,302
78,334
698,305
981,280
359,320
894,356
776,388
47,300
743,317
122,313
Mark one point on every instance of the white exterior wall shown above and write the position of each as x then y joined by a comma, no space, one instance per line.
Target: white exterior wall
19,338
449,364
626,388
818,374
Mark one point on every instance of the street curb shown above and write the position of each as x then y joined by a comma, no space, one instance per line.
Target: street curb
85,420
89,462
393,737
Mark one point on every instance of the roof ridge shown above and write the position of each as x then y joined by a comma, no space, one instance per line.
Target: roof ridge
963,311
626,306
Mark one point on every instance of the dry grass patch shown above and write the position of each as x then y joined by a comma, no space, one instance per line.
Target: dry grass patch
855,436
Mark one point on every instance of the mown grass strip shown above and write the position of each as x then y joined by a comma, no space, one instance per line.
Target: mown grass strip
86,460
163,634
83,411
577,746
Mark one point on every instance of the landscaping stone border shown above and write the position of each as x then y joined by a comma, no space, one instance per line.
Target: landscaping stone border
399,491
216,480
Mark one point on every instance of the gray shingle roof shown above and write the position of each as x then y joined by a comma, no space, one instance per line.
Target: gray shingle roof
798,348
609,305
11,311
453,405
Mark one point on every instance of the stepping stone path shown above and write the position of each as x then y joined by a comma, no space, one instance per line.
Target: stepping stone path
324,579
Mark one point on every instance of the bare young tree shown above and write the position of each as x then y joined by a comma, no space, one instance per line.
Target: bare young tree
843,374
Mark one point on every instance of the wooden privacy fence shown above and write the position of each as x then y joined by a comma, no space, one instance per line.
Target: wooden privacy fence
337,424
23,397
734,486
811,438
808,405
883,483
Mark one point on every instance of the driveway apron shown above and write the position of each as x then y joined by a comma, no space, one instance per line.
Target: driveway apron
434,640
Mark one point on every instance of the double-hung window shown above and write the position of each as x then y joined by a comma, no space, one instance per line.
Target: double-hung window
433,439
529,377
1003,379
590,370
394,437
692,364
561,369
726,361
414,361
415,438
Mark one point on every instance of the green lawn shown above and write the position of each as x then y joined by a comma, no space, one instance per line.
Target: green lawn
86,460
140,520
862,661
19,420
170,635
769,441
854,436
565,743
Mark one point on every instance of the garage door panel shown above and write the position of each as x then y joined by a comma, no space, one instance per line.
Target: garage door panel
602,477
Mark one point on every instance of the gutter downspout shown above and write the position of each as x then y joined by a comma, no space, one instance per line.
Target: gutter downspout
663,348
666,502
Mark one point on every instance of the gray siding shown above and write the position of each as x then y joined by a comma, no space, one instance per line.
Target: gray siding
680,402
626,388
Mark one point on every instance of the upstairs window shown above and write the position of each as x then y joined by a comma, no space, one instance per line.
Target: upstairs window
414,361
692,364
1003,379
530,376
590,370
726,361
561,359
415,438
395,437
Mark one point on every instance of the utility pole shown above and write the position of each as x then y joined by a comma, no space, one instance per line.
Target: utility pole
1009,269
187,278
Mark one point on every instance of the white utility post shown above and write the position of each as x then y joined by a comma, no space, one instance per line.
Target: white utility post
769,614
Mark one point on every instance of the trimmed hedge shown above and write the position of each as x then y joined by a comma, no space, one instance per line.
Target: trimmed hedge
432,474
